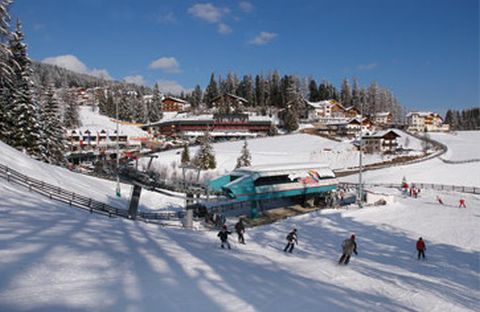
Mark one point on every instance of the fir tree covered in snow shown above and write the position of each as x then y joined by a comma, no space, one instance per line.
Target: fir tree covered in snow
204,159
71,116
211,91
245,158
27,133
52,129
6,71
154,105
293,101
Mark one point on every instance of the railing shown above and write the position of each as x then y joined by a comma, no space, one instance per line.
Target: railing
432,186
76,200
459,161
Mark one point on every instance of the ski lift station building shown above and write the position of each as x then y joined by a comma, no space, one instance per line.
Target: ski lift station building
269,182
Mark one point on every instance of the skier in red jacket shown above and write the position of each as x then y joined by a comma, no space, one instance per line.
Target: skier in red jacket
421,248
462,203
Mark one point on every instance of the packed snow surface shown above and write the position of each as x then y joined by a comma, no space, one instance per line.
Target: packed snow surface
435,170
99,189
294,148
56,258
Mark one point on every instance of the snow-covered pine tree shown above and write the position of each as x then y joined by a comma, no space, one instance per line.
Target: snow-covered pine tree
197,95
260,92
52,128
274,96
211,92
313,91
293,102
185,158
71,116
6,87
204,159
355,94
345,93
154,106
27,133
245,158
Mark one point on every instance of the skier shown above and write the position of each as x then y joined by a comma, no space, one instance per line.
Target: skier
240,229
440,201
223,234
462,203
349,245
421,248
291,240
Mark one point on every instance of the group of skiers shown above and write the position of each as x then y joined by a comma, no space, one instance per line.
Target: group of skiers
349,245
461,203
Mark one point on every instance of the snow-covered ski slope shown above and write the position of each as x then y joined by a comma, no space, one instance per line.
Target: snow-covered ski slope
99,189
56,258
462,145
294,148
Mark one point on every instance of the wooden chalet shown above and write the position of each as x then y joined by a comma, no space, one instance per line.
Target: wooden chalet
380,142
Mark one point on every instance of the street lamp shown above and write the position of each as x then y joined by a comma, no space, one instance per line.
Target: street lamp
360,188
117,191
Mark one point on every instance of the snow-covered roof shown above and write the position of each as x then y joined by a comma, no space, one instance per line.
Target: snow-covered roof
319,104
290,168
203,117
382,114
421,114
175,99
380,134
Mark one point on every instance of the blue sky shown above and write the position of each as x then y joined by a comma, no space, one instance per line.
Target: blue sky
425,51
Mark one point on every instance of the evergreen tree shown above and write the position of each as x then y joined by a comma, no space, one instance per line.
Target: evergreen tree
293,101
323,91
53,131
197,95
355,94
27,134
211,92
71,116
185,159
154,106
204,159
260,92
246,90
275,96
6,78
313,91
245,159
346,95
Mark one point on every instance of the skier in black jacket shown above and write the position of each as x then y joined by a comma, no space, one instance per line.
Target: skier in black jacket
291,240
240,229
223,234
349,246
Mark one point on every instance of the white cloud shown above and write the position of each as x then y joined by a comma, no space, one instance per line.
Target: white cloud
367,66
263,38
136,79
171,86
167,18
224,29
167,64
208,12
245,6
72,63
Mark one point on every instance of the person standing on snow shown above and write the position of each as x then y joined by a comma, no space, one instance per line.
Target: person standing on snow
240,229
462,203
223,234
291,240
440,201
349,246
421,248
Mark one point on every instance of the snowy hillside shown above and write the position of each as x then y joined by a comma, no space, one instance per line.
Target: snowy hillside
99,189
293,148
55,258
93,121
460,146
